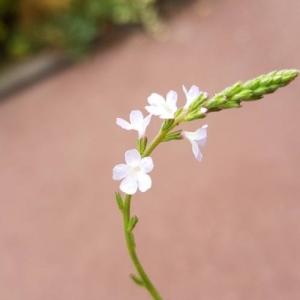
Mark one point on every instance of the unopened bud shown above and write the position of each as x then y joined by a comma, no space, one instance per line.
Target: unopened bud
243,95
199,114
215,101
202,98
176,135
141,144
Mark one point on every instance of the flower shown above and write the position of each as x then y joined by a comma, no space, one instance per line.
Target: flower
197,139
137,122
191,95
165,109
134,172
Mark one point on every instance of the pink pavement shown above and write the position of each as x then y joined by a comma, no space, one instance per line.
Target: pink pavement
227,228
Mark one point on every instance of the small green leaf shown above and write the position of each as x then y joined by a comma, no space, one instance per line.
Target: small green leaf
133,221
137,280
119,201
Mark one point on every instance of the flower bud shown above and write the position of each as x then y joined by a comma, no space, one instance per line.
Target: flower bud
176,135
230,104
167,124
202,98
243,95
198,114
215,101
141,144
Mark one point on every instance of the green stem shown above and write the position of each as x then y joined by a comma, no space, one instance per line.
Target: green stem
160,136
154,143
131,248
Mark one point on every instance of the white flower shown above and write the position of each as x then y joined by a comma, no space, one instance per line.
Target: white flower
197,139
137,122
165,109
134,172
191,95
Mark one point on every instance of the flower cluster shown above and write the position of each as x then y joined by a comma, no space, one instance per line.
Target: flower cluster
134,173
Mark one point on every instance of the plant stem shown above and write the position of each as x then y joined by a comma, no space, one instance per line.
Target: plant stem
159,137
154,143
131,248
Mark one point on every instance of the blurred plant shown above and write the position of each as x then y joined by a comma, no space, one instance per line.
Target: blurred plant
27,26
134,174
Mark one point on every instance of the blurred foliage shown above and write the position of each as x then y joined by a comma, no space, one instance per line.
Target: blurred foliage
26,26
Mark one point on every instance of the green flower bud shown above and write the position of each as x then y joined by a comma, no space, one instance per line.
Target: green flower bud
198,114
176,135
230,104
196,104
236,88
178,113
215,101
167,124
141,144
244,94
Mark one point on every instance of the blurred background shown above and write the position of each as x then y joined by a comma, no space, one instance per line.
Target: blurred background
29,26
227,228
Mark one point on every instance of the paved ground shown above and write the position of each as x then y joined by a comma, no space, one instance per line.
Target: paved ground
225,229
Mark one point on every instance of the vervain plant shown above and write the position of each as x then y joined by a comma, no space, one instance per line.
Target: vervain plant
134,174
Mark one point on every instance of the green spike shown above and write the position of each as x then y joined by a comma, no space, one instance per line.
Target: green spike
253,89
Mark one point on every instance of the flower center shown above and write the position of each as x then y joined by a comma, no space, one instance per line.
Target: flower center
167,108
137,168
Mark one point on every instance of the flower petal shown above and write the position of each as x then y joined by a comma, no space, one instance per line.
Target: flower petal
194,92
191,95
201,133
172,98
129,185
154,110
167,115
124,124
120,171
136,119
146,164
185,91
147,121
156,99
196,151
132,157
144,181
